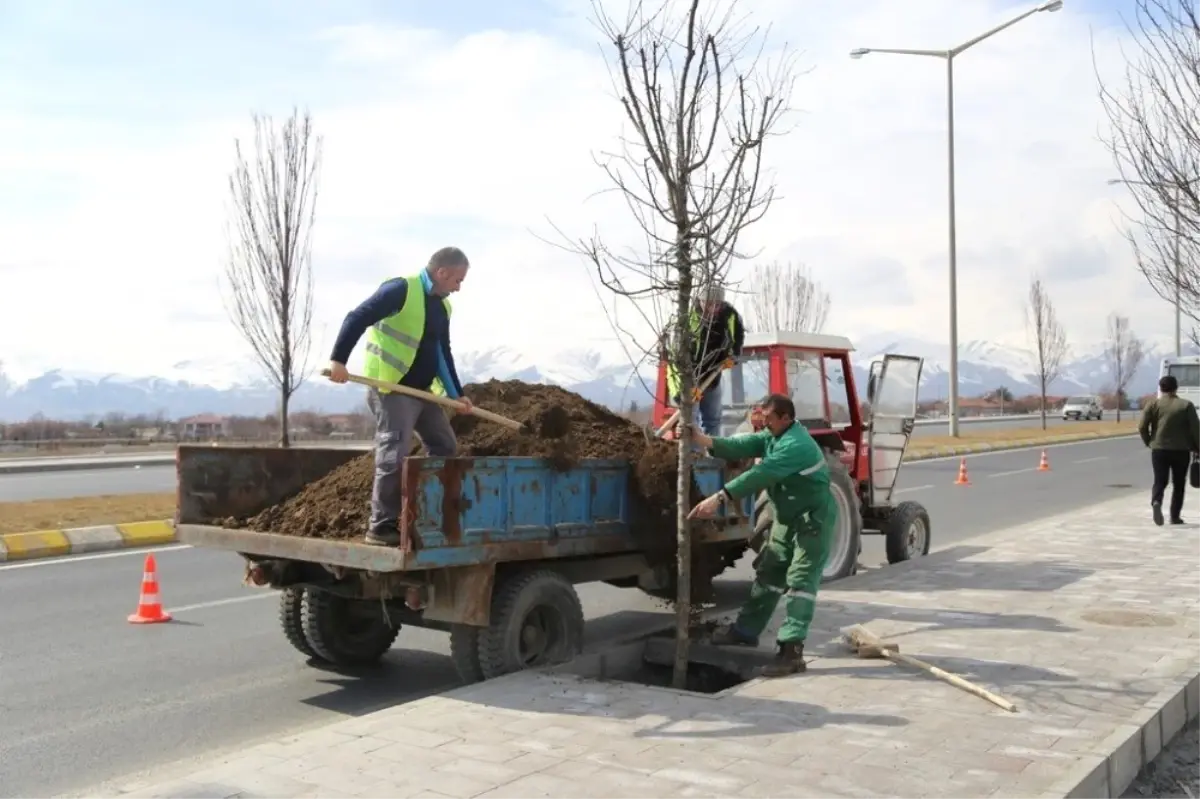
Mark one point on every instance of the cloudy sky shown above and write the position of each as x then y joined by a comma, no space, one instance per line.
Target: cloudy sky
474,123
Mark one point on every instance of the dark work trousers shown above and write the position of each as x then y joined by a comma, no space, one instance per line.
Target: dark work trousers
396,417
1170,464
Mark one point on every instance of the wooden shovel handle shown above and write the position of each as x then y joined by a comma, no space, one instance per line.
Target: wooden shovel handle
512,424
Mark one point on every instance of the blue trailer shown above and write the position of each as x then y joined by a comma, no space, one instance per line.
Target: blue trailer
491,549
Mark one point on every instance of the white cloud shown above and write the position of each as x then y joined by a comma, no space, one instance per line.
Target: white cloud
476,140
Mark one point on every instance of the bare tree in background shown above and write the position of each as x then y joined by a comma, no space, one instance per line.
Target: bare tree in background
785,297
1049,338
269,270
1125,352
701,102
1154,138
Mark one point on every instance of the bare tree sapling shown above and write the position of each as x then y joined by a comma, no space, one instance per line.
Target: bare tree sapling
1154,138
785,297
700,101
1125,352
268,273
1049,339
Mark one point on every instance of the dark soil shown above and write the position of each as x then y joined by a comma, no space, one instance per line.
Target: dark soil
561,426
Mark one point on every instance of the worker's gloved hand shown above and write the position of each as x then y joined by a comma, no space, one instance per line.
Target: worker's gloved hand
729,363
465,405
696,394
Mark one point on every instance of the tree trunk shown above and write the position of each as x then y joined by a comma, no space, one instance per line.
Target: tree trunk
284,391
683,497
1043,403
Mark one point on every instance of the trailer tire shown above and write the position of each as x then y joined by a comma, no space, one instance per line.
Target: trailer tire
291,618
344,632
907,533
843,559
464,652
537,620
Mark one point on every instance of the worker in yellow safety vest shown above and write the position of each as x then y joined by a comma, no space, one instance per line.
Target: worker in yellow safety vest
717,338
407,322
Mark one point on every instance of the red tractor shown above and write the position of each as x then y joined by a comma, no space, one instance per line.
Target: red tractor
864,453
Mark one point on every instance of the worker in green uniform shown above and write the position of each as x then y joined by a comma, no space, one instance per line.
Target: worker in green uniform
795,476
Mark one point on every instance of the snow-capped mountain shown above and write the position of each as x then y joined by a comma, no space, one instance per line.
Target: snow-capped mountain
193,387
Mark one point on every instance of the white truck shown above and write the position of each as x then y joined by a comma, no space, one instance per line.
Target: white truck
1185,369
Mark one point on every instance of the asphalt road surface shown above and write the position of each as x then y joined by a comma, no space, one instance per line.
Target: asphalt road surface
150,479
86,697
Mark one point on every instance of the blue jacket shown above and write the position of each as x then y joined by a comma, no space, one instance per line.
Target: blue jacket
433,358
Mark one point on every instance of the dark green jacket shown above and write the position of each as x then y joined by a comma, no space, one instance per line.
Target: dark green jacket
1170,423
793,470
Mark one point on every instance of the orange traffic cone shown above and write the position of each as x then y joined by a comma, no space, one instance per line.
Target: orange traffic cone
962,480
149,610
1044,466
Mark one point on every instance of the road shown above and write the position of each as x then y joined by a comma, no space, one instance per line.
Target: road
87,697
23,487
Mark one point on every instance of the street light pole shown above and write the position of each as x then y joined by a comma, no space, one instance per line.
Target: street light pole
952,410
948,55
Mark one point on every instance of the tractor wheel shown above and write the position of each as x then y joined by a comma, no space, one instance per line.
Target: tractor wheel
537,620
292,602
729,555
464,652
347,632
906,532
847,539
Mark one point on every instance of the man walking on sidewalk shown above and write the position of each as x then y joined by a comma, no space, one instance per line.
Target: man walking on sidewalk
795,476
1171,429
407,321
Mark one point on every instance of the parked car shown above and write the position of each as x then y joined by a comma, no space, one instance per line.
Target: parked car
1082,409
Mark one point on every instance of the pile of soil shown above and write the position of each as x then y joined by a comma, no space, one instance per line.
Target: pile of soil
560,426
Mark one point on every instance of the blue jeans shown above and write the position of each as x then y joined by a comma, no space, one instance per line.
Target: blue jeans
707,412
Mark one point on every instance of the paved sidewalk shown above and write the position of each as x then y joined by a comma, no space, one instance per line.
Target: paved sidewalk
1090,623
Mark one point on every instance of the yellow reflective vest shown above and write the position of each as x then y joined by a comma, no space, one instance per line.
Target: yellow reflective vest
392,343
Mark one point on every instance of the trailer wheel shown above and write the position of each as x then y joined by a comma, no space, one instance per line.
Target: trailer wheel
347,632
537,620
907,532
291,618
847,540
464,652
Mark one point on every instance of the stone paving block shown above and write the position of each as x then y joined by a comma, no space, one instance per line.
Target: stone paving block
1097,648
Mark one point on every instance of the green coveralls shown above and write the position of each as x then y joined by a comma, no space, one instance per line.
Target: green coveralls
796,478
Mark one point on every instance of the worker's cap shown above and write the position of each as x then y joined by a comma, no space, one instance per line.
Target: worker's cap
713,292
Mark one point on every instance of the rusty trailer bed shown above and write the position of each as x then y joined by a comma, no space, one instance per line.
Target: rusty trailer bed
456,511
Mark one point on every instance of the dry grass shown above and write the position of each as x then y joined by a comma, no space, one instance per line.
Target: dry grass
56,514
1053,432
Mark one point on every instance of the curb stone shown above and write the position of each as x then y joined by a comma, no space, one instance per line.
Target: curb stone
77,540
970,449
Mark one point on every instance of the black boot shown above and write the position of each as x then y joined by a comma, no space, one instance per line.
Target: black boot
1156,509
384,537
732,636
1177,520
788,661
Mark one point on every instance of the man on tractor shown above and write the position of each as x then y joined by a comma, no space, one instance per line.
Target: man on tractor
717,338
795,475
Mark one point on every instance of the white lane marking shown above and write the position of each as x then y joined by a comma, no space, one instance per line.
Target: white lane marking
973,455
216,603
121,553
1014,471
1090,460
914,488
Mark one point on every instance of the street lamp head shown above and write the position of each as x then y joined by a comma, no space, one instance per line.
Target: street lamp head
859,52
1053,5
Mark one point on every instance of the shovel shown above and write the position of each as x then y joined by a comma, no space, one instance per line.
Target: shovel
511,424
